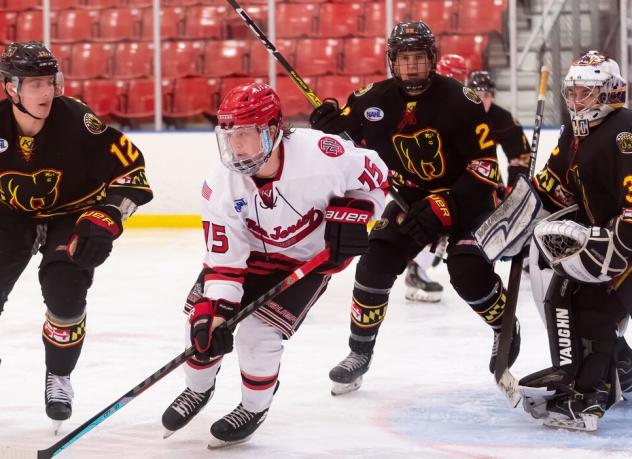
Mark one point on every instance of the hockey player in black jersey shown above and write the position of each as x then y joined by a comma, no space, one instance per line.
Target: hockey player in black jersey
433,133
589,250
67,181
506,131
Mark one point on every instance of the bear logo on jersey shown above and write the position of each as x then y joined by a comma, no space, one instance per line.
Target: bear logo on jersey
93,124
421,154
330,146
624,142
471,95
30,192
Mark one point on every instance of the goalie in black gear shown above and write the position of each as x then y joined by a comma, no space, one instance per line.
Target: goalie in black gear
433,134
592,247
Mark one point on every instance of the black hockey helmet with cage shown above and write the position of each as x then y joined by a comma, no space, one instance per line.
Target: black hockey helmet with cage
481,80
412,36
28,59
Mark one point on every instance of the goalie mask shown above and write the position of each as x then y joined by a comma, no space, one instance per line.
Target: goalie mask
249,127
412,55
592,88
588,255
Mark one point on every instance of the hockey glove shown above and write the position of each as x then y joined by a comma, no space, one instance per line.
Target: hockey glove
209,339
427,219
512,175
91,240
345,231
326,118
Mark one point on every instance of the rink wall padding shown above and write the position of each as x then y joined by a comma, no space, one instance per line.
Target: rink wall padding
178,162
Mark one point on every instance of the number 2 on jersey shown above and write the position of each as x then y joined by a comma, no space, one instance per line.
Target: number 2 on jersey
131,153
483,131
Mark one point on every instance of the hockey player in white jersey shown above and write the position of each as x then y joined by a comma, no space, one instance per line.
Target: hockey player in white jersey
282,197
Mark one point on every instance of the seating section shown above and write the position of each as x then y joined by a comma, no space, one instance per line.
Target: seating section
106,52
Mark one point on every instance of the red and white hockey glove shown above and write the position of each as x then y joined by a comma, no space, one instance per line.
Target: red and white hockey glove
429,218
95,230
345,231
209,339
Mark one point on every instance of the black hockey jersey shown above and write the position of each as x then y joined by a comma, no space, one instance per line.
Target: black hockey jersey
593,171
72,164
437,141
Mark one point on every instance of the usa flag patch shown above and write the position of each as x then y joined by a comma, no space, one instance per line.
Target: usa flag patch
206,191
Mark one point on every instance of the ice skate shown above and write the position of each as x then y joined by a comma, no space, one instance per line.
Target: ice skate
184,408
347,375
578,411
236,427
58,398
419,287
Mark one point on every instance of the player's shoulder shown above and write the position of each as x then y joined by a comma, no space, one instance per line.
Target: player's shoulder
452,92
499,113
73,112
5,113
318,147
621,129
374,92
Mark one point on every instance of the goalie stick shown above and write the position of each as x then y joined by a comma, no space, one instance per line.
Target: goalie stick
9,452
305,89
504,379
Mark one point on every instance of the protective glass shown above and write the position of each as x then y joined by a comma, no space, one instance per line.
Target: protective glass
244,149
37,86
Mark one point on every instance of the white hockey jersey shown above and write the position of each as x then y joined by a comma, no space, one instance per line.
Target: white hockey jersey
281,224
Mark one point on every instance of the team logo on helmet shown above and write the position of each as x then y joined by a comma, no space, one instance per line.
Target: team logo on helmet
4,145
590,58
30,192
420,153
374,114
624,142
330,146
471,95
93,124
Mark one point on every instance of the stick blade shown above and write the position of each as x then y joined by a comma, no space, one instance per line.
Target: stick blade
508,385
13,452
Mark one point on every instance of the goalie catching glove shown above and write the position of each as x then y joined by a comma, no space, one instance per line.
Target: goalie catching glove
429,218
209,338
591,255
345,231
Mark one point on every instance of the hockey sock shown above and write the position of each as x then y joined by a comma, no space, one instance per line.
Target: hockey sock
63,339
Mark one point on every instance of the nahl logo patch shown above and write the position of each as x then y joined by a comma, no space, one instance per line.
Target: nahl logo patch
374,114
4,145
93,124
330,146
471,95
624,142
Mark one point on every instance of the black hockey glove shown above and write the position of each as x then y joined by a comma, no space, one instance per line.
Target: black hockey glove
91,240
207,335
429,218
326,118
512,174
345,231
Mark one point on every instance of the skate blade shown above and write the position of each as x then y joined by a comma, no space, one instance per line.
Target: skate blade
216,443
420,296
167,433
585,423
344,388
56,426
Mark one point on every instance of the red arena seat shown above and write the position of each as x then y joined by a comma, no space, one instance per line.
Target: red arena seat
102,96
73,88
29,26
235,27
118,24
133,60
226,58
481,16
75,26
364,56
230,83
182,58
259,56
194,96
63,54
374,23
293,100
22,5
138,98
91,60
338,20
296,19
440,15
100,4
318,56
471,47
8,21
62,4
171,23
338,87
205,22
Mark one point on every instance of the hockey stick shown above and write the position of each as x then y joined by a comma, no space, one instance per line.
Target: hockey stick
296,275
305,89
504,379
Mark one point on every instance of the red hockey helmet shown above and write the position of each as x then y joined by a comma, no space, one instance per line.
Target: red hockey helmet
453,65
245,117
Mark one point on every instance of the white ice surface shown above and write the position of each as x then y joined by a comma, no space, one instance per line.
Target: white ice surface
428,393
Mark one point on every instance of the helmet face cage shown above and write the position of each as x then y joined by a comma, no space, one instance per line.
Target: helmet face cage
592,88
412,36
245,162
